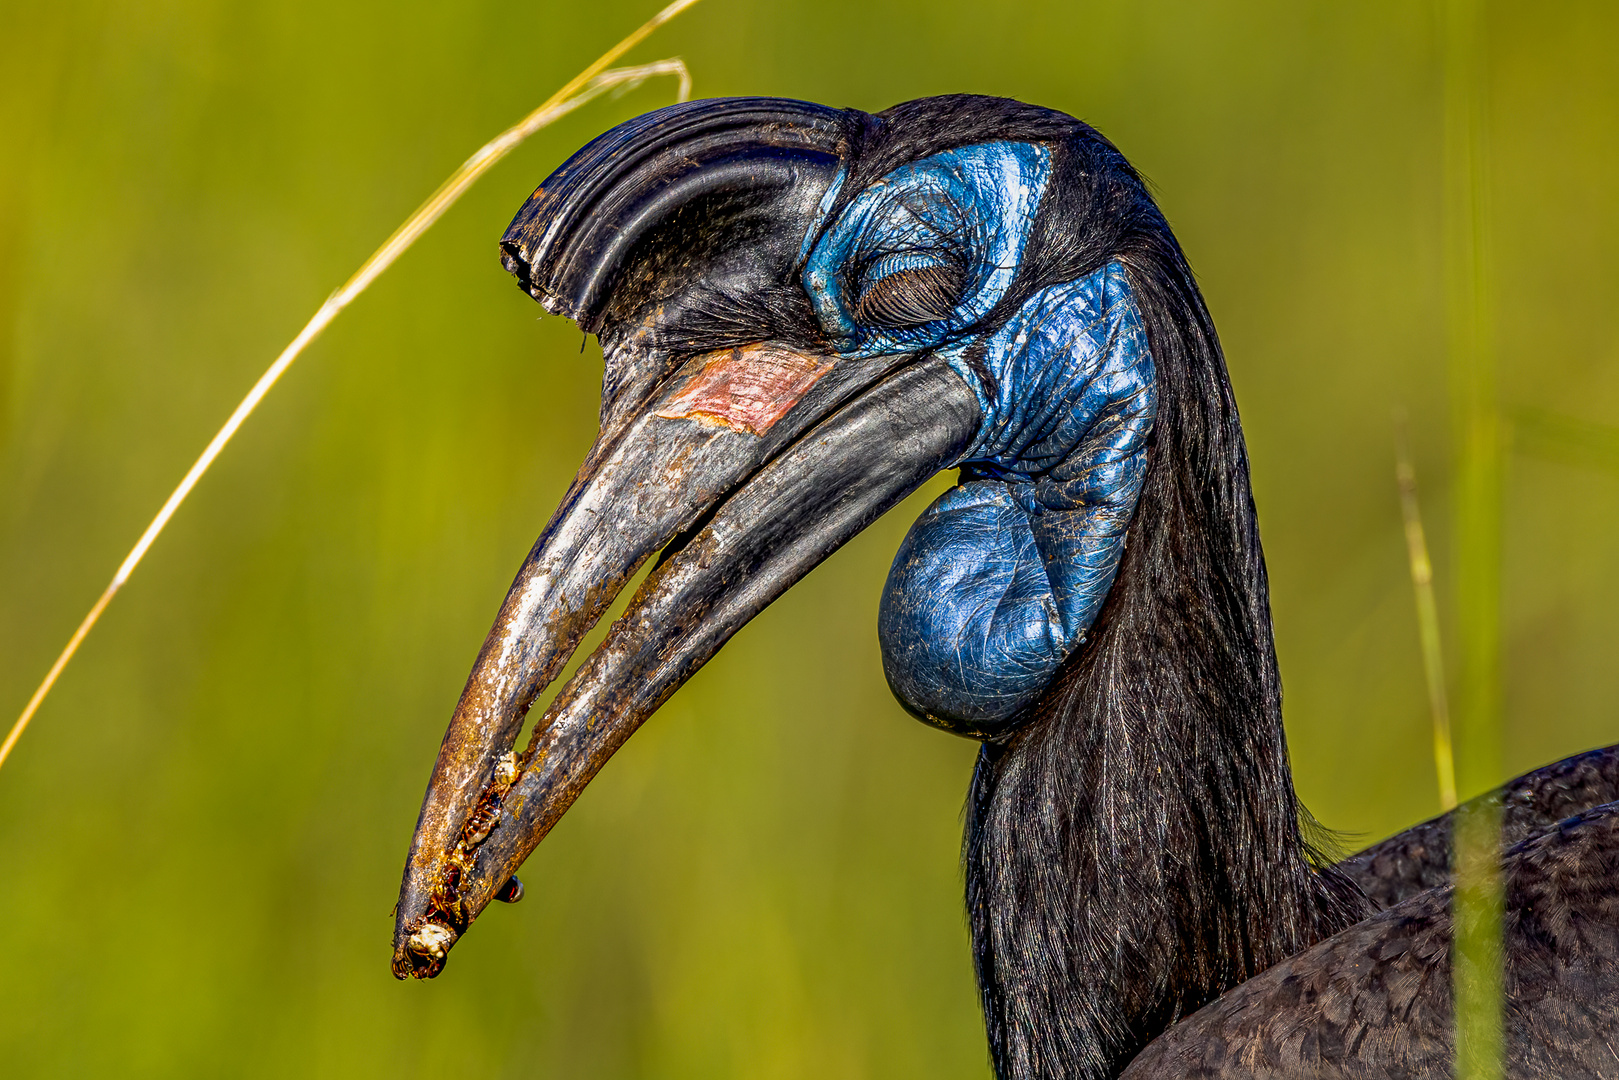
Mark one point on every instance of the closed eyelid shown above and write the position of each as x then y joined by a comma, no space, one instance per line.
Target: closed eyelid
896,261
971,209
911,296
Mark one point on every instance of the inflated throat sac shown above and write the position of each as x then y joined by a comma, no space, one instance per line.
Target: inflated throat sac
997,583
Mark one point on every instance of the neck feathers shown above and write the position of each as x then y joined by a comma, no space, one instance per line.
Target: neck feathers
1136,848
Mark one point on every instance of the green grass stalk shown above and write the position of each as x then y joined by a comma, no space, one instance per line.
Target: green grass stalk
1476,955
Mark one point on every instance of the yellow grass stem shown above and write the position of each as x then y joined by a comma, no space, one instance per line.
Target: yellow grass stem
1433,661
588,84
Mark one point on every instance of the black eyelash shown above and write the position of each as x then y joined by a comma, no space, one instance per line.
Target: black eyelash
911,297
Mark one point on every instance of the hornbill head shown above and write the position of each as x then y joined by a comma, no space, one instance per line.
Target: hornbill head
806,313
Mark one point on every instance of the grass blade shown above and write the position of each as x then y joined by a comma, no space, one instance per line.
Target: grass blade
1433,661
1476,956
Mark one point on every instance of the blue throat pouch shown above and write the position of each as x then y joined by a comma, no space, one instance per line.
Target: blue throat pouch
997,583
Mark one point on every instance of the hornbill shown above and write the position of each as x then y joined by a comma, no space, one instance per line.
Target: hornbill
806,313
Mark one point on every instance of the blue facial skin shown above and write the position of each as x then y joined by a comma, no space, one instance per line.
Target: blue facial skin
972,206
997,583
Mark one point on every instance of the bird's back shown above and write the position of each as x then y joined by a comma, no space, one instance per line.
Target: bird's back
1375,1000
1419,858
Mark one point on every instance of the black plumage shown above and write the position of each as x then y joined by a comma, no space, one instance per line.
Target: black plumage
1375,999
1419,858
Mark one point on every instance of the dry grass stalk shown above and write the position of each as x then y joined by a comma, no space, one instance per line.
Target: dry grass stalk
1433,661
587,85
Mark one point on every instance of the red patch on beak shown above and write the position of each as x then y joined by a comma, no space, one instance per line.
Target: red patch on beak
747,388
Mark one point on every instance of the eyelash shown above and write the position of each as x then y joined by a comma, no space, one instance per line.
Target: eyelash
913,293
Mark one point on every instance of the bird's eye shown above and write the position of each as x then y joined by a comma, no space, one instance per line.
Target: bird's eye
909,295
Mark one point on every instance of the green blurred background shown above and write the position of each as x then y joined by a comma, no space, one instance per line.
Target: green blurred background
202,835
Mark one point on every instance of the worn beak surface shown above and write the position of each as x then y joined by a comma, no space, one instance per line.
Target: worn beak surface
744,465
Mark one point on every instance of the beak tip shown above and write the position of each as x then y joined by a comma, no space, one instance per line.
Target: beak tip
422,954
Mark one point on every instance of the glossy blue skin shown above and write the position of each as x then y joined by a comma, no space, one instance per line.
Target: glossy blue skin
996,584
975,204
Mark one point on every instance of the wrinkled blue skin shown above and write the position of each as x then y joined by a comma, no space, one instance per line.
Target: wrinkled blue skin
997,583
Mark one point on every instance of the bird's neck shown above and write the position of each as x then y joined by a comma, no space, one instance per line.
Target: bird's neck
1137,848
1133,854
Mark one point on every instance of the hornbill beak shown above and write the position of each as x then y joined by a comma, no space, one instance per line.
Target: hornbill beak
735,441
